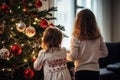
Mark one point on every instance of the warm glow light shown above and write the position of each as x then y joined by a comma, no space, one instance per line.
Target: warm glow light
36,19
2,42
25,60
10,11
34,22
15,43
8,59
11,35
11,28
33,52
18,7
34,57
12,19
24,10
22,45
11,46
15,23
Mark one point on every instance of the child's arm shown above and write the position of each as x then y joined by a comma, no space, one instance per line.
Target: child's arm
38,63
103,48
72,54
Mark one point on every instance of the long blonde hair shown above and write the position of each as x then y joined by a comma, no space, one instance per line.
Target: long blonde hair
52,37
85,26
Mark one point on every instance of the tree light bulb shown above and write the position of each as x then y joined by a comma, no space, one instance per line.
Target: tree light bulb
34,22
18,7
12,19
25,60
24,10
8,59
11,28
2,42
36,19
11,35
22,45
33,52
10,11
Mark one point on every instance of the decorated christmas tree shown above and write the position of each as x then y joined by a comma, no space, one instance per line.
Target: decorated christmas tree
22,23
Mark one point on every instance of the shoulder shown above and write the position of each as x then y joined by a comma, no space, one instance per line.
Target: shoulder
75,41
41,52
63,49
101,39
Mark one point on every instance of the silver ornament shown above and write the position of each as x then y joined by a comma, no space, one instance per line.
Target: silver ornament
21,26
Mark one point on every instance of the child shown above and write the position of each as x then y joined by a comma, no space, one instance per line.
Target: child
52,57
87,46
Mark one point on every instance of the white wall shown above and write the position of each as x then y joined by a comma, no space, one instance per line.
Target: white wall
115,20
103,16
108,16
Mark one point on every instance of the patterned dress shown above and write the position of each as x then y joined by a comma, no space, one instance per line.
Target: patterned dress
54,64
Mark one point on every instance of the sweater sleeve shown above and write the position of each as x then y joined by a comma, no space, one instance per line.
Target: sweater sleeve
103,48
37,65
75,44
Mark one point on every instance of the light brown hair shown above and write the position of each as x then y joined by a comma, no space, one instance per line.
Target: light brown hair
52,38
85,26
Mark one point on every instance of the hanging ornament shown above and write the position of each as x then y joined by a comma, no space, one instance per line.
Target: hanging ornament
34,59
38,3
16,50
30,31
4,53
28,73
51,25
5,8
43,23
2,26
21,26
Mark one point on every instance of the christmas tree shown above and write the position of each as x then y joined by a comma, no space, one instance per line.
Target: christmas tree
22,23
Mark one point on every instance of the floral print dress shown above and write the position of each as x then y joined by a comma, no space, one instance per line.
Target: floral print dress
54,64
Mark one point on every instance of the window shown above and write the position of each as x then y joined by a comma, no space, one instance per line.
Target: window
65,17
81,4
67,10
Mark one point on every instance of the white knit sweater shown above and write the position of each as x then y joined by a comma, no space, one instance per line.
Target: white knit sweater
86,54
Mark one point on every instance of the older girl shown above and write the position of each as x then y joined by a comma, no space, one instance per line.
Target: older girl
87,46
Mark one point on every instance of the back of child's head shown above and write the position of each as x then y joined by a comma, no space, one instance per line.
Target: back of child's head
52,38
85,26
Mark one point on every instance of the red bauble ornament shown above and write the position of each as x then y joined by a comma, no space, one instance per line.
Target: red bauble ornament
16,50
51,24
28,73
38,3
5,8
34,59
44,23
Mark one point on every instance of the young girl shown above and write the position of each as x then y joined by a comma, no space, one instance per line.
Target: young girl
52,57
87,46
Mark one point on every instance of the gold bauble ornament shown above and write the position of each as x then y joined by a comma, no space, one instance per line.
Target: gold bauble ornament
30,31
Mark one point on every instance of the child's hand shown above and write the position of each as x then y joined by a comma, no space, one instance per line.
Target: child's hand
68,53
